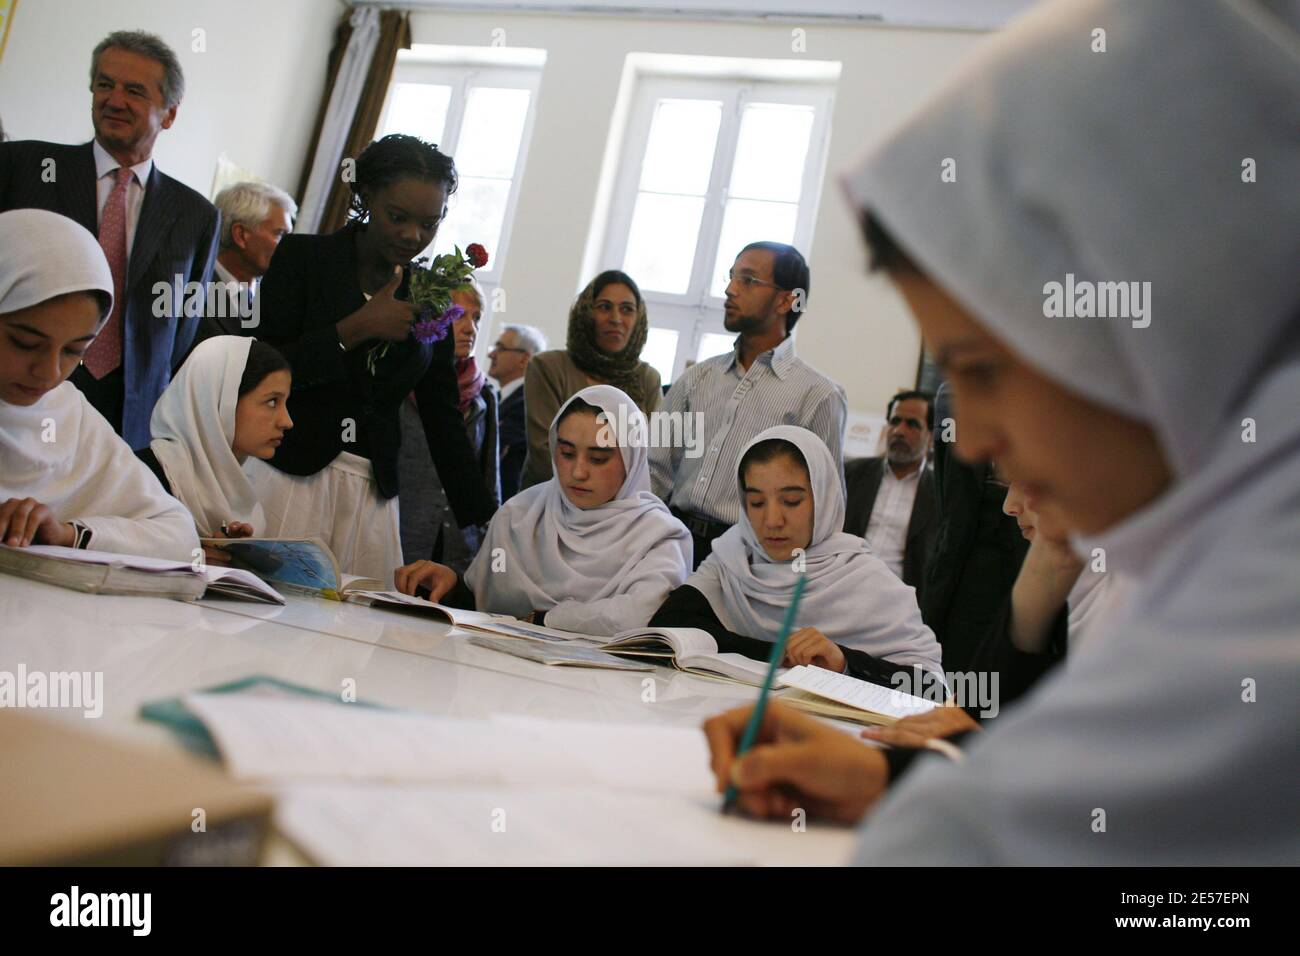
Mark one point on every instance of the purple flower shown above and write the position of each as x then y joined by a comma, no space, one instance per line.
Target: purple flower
429,330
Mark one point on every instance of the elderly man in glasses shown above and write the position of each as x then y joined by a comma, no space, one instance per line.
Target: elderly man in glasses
510,356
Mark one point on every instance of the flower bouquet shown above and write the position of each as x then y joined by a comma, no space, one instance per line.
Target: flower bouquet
431,288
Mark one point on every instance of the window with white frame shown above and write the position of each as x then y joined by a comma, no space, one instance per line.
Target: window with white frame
477,104
708,166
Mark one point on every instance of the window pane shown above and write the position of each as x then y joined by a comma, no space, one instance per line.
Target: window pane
771,152
475,214
490,133
746,221
661,241
713,343
418,109
659,352
679,152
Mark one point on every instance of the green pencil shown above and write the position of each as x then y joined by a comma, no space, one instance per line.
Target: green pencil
756,718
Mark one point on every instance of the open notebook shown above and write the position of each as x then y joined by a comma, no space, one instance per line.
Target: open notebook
819,691
298,564
368,786
103,572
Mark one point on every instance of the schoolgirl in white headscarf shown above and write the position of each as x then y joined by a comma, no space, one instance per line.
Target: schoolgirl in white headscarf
595,570
1170,159
194,435
56,450
850,595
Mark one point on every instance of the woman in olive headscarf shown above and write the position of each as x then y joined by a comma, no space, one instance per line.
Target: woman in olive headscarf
607,330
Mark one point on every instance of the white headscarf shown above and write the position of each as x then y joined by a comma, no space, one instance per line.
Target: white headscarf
1180,721
60,450
601,569
851,596
193,428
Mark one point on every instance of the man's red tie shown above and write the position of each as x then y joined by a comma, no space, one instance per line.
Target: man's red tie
105,353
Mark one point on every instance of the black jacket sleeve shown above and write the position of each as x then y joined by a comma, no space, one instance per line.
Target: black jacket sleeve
687,607
281,306
1018,671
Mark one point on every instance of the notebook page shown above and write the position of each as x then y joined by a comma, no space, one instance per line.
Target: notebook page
856,693
340,825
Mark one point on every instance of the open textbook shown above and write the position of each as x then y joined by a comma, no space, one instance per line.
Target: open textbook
686,648
103,572
298,564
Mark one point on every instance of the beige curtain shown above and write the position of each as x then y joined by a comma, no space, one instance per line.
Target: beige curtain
394,35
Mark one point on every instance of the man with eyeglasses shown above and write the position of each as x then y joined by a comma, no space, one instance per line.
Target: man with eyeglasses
760,383
509,357
891,497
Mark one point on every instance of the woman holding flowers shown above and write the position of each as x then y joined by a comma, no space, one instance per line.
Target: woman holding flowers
363,328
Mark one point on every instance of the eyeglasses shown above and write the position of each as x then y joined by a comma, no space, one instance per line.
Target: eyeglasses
498,347
749,281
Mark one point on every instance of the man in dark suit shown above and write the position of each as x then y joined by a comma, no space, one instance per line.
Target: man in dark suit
891,498
158,235
510,356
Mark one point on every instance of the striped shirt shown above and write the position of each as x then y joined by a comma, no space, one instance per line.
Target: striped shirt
778,389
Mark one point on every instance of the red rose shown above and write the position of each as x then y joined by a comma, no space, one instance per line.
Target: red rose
476,255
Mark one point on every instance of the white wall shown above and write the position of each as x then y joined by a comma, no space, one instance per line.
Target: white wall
253,93
857,330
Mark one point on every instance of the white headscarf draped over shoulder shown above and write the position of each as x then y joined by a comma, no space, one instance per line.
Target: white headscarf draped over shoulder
1171,158
60,450
598,570
193,427
851,596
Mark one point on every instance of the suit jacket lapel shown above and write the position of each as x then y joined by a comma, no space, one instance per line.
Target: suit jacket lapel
152,226
81,197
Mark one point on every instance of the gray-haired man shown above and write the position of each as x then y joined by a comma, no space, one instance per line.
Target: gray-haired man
254,218
510,356
157,234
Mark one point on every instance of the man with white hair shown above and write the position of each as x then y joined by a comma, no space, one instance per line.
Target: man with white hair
514,349
254,218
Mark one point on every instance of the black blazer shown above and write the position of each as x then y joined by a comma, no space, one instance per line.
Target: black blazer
862,478
514,443
336,404
176,236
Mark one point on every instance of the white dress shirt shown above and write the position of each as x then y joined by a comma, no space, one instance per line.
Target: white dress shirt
891,514
509,389
778,388
104,166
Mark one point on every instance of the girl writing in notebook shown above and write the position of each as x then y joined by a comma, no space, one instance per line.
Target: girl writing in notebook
226,404
592,549
861,618
1165,436
66,478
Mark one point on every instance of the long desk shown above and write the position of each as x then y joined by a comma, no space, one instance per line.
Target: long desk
148,649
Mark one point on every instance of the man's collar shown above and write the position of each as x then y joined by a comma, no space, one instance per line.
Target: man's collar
512,387
780,358
105,163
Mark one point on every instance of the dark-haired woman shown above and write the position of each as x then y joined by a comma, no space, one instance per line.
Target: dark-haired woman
607,330
225,405
855,615
326,302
